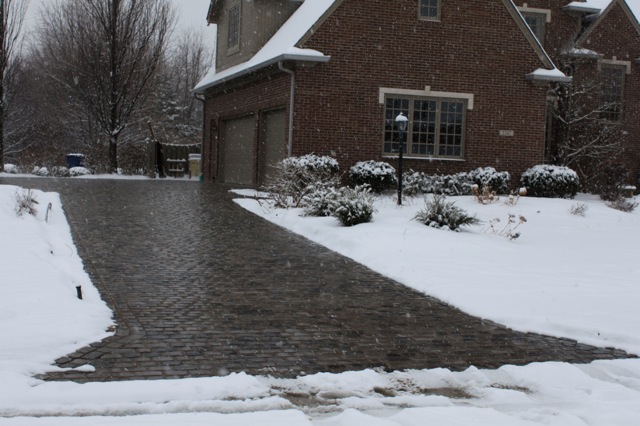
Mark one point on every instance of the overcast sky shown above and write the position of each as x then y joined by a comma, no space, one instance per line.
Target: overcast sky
191,13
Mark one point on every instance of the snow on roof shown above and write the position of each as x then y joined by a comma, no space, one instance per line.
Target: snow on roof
589,6
280,47
598,6
542,74
581,52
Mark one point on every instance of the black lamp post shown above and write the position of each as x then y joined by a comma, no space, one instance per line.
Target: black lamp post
401,123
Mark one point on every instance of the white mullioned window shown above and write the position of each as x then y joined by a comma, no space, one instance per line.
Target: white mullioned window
436,126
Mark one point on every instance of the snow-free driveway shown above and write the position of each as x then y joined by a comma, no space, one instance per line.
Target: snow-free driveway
201,287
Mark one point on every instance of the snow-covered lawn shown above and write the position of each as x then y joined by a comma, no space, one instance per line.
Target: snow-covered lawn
566,275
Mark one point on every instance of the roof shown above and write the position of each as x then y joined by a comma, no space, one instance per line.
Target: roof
281,47
608,5
599,6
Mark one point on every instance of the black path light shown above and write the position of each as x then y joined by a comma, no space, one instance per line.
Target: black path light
401,123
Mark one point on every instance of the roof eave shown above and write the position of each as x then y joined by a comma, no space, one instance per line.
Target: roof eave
257,67
581,9
545,78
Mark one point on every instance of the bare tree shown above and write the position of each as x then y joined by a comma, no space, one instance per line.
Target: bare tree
585,135
175,113
12,13
104,54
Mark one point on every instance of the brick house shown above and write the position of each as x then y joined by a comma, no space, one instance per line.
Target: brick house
597,43
329,76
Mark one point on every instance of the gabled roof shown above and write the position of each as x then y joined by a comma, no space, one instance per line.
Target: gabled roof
310,15
610,4
281,47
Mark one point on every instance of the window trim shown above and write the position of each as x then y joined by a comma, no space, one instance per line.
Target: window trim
412,96
231,49
533,11
426,93
430,18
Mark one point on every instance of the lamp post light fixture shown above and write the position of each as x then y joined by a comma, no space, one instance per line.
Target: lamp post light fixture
401,123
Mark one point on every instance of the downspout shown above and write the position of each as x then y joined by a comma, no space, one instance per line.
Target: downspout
291,105
201,98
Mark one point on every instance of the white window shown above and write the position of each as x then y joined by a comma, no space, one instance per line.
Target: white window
436,126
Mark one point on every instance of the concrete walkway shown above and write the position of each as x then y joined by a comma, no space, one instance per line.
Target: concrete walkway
201,287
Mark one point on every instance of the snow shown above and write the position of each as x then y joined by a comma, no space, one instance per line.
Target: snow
566,275
549,75
281,44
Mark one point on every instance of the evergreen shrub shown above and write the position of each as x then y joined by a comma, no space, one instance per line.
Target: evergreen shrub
550,181
377,174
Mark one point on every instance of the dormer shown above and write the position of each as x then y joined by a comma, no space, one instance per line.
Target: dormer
245,26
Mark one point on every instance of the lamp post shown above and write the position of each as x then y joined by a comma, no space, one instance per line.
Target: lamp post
401,123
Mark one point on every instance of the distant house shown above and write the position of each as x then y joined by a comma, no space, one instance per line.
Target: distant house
329,77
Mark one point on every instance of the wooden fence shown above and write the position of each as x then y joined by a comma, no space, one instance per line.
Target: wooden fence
174,159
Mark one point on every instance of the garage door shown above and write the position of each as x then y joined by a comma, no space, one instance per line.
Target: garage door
273,145
238,150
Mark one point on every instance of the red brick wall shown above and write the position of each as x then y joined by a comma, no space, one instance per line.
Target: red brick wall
267,90
616,36
476,48
563,29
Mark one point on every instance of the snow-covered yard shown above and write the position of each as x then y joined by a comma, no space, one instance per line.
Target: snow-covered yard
565,275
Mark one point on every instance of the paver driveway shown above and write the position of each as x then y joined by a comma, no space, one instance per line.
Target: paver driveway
201,287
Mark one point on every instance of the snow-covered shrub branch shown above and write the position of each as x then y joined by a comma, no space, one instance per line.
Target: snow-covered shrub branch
353,206
294,178
26,203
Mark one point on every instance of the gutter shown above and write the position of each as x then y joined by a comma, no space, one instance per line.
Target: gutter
261,65
292,102
200,97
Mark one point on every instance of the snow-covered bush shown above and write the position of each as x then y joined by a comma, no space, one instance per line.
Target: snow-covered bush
353,206
377,174
489,177
59,172
40,171
550,181
296,177
323,167
438,213
320,201
11,168
79,171
415,183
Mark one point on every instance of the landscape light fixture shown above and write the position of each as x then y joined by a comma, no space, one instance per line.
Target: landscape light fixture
402,122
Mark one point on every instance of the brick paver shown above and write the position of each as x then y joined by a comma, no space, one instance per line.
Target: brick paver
201,287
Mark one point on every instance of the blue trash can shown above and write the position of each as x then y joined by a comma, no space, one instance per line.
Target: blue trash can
74,160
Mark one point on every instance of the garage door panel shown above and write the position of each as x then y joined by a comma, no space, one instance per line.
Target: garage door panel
238,148
272,141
